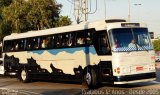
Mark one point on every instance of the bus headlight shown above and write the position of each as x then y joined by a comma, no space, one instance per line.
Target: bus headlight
126,70
152,67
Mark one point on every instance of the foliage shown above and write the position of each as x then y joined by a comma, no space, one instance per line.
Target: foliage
156,45
17,16
43,13
5,28
63,21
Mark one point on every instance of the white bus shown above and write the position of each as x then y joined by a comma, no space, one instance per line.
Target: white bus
113,51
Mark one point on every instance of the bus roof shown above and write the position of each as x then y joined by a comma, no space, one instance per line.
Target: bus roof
97,25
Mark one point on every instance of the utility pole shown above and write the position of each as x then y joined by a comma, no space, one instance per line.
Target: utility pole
138,5
84,10
129,10
81,10
77,10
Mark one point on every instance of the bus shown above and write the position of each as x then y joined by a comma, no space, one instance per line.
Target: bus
112,51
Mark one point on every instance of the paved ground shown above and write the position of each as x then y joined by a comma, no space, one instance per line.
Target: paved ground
11,86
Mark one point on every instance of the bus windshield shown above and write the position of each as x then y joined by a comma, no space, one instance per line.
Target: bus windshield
130,39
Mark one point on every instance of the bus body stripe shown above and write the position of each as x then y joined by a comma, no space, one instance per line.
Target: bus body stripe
87,50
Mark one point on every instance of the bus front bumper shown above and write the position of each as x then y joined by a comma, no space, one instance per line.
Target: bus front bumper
135,78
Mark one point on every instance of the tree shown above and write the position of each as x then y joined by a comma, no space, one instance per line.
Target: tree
156,45
63,21
24,15
3,3
43,13
32,14
16,15
5,28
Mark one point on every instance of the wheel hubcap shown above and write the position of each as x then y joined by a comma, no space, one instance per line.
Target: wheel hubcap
23,75
88,78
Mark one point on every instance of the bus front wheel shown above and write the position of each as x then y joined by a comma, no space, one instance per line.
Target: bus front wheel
90,78
24,76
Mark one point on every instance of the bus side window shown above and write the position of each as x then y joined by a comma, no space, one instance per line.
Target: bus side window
25,44
36,43
11,46
88,37
67,40
64,40
44,42
53,41
56,43
70,40
101,43
80,38
21,44
29,44
59,40
7,46
49,42
16,45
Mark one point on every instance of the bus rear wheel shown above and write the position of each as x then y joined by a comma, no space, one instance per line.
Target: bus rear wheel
90,78
24,76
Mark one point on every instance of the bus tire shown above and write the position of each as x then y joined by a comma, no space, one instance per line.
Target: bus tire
24,77
90,78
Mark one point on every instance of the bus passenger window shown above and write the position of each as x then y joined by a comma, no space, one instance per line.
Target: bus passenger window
44,43
21,46
104,45
101,43
12,47
53,42
80,38
29,44
64,40
89,38
8,46
80,41
35,43
25,44
49,42
59,41
84,37
70,39
16,46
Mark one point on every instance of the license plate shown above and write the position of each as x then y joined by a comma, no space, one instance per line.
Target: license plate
139,68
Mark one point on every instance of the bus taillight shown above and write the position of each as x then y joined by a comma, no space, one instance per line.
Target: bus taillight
118,70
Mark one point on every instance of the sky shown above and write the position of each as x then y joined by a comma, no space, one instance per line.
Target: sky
148,12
